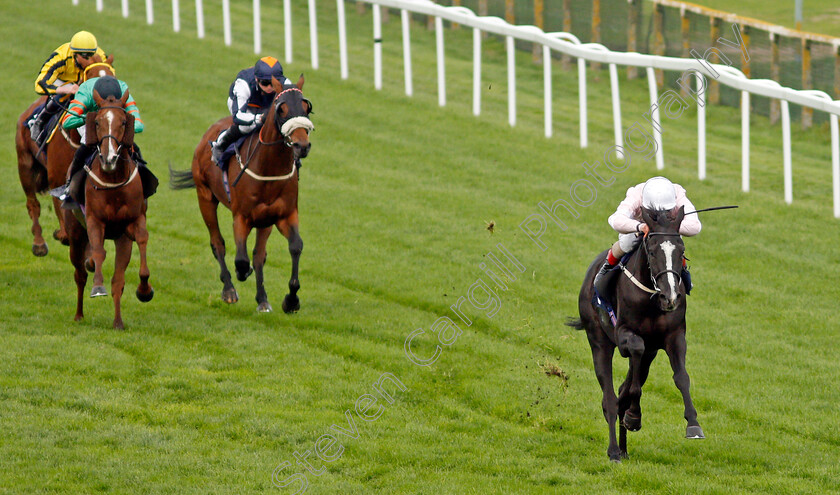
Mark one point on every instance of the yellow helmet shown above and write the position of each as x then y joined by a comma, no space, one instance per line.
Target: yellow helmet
83,41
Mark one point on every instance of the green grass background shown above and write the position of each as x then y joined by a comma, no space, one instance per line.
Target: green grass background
200,397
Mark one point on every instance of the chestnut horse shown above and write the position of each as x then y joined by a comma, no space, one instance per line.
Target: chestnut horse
114,207
46,169
263,185
647,319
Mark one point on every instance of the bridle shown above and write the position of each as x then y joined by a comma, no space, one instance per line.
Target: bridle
655,277
120,144
286,126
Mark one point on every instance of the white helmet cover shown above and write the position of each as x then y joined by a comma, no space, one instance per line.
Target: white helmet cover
659,194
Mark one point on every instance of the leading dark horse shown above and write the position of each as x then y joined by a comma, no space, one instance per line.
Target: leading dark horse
650,303
260,187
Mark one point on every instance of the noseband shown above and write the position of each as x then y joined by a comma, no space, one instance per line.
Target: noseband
286,126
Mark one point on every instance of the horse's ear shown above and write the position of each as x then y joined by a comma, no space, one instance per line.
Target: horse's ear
124,98
98,99
300,82
128,137
680,216
277,85
648,217
97,59
90,129
110,59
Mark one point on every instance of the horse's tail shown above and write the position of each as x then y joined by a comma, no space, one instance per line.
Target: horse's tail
180,179
575,323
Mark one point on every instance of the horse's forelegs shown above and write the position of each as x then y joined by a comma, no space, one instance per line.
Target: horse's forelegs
121,258
259,262
33,206
77,256
289,228
602,355
630,393
138,232
675,348
241,229
209,211
96,235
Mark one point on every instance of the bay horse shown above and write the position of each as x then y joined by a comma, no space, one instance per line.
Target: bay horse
263,190
114,207
647,319
45,169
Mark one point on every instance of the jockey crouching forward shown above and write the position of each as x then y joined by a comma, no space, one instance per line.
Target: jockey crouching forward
250,95
84,103
60,74
657,193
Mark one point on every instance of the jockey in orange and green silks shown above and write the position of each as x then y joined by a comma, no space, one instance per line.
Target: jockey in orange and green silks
60,75
84,103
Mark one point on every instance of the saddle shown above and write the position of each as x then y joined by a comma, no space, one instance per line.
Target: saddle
147,178
49,130
232,150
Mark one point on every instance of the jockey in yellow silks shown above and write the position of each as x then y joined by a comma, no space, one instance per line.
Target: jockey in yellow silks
60,75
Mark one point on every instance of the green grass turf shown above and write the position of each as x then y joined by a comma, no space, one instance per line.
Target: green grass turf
200,397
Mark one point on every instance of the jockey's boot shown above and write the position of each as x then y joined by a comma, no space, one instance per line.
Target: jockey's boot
225,139
41,120
603,277
686,278
79,159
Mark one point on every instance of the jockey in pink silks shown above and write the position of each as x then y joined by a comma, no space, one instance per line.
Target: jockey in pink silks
659,194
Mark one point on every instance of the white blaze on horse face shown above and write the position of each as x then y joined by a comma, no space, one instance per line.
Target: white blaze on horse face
111,158
668,250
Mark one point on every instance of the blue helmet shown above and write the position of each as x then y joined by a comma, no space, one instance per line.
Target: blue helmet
268,67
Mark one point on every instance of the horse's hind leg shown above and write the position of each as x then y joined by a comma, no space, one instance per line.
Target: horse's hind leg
259,263
289,228
602,355
209,205
137,231
121,259
675,348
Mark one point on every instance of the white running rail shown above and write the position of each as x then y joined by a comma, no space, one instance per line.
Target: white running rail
565,43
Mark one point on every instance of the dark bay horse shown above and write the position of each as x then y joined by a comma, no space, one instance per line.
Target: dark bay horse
41,170
650,303
263,184
114,207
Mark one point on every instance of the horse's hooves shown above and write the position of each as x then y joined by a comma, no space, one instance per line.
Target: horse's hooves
64,239
243,275
78,317
694,432
55,234
98,290
616,460
243,269
145,297
230,296
40,250
632,423
264,307
90,266
118,325
291,304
